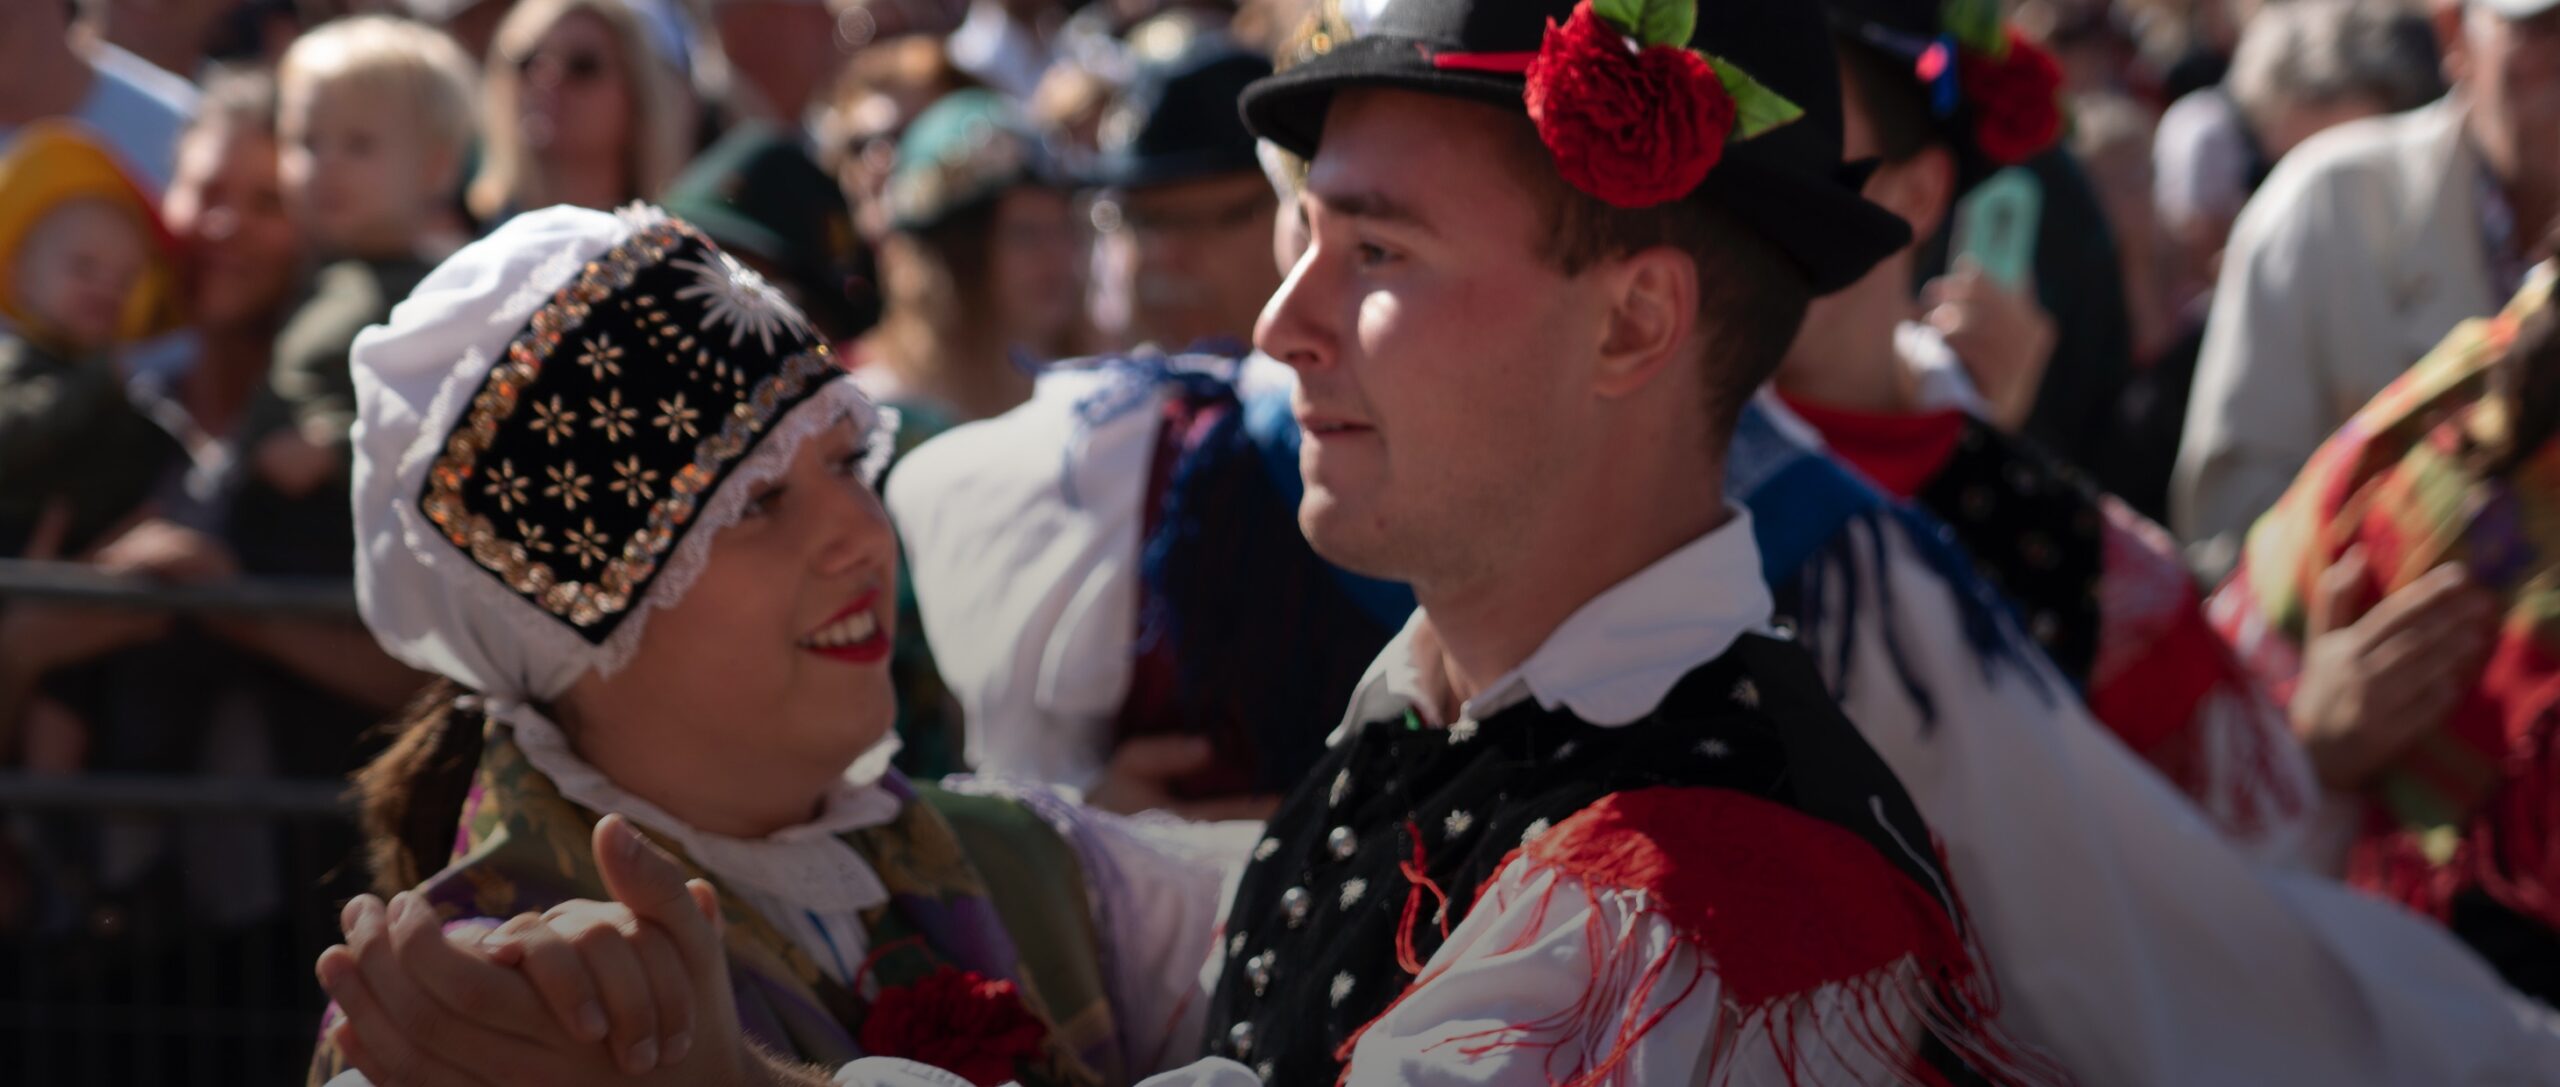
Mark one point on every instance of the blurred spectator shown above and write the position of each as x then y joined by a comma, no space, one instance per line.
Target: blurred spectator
375,114
979,278
882,91
1186,217
2079,280
979,267
761,197
1008,44
2302,67
85,267
473,23
783,55
2436,735
45,72
578,107
2363,249
172,35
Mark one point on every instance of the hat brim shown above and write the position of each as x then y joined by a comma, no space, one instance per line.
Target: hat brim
1145,171
1835,235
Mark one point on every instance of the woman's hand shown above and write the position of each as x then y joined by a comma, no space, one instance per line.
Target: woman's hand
636,989
2373,682
2003,336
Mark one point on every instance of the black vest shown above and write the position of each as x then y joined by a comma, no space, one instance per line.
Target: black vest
1311,952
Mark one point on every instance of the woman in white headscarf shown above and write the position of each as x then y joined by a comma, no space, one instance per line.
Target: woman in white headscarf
612,488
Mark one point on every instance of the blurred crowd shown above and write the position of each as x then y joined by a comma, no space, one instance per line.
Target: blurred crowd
2264,212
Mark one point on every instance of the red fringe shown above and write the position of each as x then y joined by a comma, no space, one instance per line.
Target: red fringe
1868,1025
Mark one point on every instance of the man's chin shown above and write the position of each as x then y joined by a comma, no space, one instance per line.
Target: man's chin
1342,533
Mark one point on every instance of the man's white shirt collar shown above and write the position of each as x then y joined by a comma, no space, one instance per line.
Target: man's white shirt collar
1616,657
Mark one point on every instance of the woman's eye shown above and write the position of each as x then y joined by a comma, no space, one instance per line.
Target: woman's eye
1372,256
762,503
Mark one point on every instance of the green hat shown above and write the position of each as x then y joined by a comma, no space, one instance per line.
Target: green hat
965,149
757,192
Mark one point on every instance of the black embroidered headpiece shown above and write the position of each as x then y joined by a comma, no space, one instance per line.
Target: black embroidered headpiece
617,410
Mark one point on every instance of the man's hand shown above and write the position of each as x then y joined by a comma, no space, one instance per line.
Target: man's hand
2003,336
1141,776
631,991
2373,685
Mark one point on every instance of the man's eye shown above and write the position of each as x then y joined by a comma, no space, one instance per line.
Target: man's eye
1371,255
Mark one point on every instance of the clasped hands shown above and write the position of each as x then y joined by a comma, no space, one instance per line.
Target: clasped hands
635,990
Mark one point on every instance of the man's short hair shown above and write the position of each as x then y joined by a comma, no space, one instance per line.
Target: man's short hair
2324,52
411,64
1751,295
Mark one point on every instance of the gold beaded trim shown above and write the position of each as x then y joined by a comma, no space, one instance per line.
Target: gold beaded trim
588,603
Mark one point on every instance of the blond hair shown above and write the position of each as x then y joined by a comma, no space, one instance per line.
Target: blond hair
658,130
410,63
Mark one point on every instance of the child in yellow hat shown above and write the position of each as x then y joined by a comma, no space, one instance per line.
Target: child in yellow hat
85,268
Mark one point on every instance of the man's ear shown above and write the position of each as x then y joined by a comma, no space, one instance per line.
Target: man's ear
1921,189
2448,17
1652,313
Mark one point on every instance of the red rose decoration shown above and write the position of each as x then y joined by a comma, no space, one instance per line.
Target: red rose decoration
1635,128
2016,100
956,1020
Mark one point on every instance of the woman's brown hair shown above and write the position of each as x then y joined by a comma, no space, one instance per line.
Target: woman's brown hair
409,798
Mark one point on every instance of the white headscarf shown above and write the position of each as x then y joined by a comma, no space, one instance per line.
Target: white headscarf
424,599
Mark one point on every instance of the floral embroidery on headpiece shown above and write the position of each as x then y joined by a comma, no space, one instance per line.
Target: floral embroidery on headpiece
2012,84
1633,116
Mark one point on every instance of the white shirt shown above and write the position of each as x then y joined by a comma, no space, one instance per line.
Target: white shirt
1022,536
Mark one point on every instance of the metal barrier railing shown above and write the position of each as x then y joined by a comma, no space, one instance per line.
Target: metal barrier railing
73,582
142,986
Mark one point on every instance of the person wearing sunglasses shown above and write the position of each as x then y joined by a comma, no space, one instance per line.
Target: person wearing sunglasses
580,108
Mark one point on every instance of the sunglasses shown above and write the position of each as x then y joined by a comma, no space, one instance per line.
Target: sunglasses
578,67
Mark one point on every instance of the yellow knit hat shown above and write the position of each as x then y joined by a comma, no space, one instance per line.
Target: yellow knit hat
52,163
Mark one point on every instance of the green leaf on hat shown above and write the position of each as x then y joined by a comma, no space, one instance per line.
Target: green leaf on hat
1756,108
1975,24
1651,22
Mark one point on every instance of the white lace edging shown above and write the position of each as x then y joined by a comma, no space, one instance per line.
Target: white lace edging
549,638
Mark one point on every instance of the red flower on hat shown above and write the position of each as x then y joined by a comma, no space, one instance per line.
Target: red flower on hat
1632,126
2016,96
959,1021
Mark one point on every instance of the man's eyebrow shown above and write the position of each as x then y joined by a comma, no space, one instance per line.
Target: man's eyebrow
1372,204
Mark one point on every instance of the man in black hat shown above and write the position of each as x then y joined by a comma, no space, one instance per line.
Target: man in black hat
1185,217
1583,818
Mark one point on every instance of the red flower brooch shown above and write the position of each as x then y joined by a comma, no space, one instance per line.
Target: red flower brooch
1632,115
959,1021
2013,85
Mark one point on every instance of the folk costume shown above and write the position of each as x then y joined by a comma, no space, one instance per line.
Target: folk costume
2459,827
553,430
2103,591
2132,940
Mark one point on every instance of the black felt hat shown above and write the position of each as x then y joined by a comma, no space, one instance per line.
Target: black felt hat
1788,183
757,192
1178,120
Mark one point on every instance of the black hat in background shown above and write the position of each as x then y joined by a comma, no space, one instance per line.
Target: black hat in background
1178,119
758,193
1788,183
